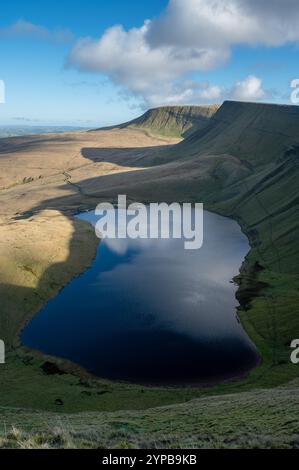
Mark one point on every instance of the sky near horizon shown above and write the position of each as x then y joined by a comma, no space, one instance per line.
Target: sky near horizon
97,63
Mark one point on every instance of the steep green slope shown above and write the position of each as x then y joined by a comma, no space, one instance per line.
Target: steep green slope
173,121
251,156
257,133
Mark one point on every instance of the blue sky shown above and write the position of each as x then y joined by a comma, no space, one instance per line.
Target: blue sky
61,63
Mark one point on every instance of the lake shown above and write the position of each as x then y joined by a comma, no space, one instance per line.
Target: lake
151,312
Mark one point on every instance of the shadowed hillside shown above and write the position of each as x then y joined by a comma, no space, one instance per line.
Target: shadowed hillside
248,156
257,133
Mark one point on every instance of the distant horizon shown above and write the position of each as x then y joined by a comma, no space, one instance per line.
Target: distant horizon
97,125
107,63
30,126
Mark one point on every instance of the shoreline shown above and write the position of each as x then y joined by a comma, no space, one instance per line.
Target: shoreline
71,367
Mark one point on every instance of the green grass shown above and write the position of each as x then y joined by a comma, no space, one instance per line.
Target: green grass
256,419
174,121
262,195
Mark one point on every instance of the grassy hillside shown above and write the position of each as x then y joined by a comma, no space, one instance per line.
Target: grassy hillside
173,121
256,419
242,164
253,132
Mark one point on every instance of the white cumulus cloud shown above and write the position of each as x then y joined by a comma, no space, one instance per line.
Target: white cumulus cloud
128,58
154,60
250,89
186,92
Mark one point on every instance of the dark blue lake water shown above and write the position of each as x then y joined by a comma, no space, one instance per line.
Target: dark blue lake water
149,311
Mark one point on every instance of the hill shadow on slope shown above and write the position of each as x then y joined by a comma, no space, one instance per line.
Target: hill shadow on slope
128,156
